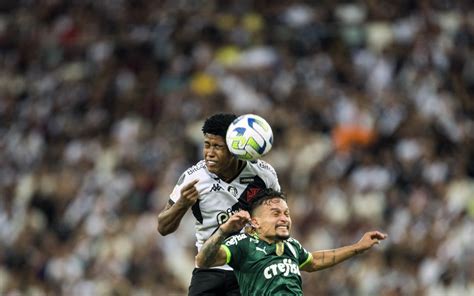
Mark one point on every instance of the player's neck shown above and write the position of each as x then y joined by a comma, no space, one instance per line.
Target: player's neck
234,170
269,240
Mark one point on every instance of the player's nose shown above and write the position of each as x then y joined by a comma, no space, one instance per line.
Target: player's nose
284,219
209,153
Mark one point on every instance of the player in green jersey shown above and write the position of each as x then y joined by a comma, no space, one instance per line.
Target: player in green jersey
267,261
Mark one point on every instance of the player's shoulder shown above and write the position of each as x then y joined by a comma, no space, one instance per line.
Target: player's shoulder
237,239
196,169
294,242
262,166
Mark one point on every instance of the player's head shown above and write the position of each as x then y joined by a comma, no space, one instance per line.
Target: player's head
218,158
270,215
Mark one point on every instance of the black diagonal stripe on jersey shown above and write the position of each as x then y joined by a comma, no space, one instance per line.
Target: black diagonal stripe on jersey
247,195
197,211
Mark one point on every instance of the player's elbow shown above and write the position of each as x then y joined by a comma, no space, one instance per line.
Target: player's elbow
200,262
163,230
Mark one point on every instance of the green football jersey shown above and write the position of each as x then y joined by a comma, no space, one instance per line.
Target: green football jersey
260,271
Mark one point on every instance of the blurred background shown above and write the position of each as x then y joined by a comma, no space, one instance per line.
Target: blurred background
101,105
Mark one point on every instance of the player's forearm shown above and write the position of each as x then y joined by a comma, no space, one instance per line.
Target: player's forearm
328,258
207,256
168,220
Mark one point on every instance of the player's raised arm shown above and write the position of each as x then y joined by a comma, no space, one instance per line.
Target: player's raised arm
327,258
172,214
212,253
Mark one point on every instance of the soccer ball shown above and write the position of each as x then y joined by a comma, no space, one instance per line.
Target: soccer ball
249,137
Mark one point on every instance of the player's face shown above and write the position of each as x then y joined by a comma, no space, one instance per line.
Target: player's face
273,219
218,158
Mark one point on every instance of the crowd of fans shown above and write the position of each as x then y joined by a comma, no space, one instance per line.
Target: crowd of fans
101,104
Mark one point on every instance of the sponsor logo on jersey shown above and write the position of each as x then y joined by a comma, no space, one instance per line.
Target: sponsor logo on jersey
246,180
266,166
284,268
233,240
232,190
223,216
196,168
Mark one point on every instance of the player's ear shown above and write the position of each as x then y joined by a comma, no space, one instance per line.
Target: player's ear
255,222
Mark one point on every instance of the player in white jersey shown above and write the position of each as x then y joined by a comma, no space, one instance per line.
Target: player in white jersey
214,189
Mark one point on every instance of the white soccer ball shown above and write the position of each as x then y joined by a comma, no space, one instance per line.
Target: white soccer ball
249,137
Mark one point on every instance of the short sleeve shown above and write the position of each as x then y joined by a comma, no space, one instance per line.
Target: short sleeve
303,256
176,193
276,186
269,175
235,247
273,181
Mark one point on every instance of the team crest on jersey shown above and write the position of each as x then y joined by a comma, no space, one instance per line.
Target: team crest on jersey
232,190
280,248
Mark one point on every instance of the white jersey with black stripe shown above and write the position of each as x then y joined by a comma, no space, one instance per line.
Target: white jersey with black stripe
217,198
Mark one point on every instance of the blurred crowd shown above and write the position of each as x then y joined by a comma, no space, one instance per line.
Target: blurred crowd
101,105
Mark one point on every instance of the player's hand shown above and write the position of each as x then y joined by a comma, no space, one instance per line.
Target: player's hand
236,222
189,194
369,239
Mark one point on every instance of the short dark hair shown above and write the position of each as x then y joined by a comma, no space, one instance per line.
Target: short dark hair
217,124
263,196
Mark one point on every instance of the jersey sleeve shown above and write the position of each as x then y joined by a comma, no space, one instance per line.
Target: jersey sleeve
269,175
303,256
176,193
235,248
193,173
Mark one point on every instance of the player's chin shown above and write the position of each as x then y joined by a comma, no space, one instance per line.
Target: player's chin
213,169
283,235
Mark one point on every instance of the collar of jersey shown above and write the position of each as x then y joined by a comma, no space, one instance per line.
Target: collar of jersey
214,176
255,235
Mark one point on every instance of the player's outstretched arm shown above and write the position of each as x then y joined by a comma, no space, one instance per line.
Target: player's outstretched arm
211,253
171,216
329,258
